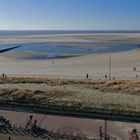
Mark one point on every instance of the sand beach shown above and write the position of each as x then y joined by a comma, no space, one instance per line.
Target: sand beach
22,63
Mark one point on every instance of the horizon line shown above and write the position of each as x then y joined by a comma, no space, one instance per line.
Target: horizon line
69,30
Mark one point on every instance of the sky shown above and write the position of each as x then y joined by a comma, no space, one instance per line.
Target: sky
69,14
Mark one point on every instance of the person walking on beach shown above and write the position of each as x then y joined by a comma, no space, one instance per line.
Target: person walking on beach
105,77
134,68
87,75
101,132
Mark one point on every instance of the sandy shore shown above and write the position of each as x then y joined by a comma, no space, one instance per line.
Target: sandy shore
125,38
95,65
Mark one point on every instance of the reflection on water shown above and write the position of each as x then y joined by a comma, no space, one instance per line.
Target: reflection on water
56,50
52,50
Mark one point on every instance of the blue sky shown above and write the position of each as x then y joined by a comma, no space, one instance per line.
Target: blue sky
69,14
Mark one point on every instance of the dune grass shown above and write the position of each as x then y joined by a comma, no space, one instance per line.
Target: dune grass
121,86
114,97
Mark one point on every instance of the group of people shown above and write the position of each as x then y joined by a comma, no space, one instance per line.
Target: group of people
4,75
135,69
106,77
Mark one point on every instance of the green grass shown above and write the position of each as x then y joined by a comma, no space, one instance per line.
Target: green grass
114,97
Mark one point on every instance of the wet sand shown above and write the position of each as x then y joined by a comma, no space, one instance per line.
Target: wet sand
96,65
126,38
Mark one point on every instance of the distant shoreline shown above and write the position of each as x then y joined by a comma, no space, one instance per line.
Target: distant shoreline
30,32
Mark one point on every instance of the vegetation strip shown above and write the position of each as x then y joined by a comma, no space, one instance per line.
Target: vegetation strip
73,96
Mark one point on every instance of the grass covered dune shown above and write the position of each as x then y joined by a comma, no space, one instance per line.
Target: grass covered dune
119,97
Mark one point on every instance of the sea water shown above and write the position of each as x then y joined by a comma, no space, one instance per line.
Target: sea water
56,50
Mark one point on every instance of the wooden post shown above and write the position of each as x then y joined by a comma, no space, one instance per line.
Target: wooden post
105,129
109,67
9,138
